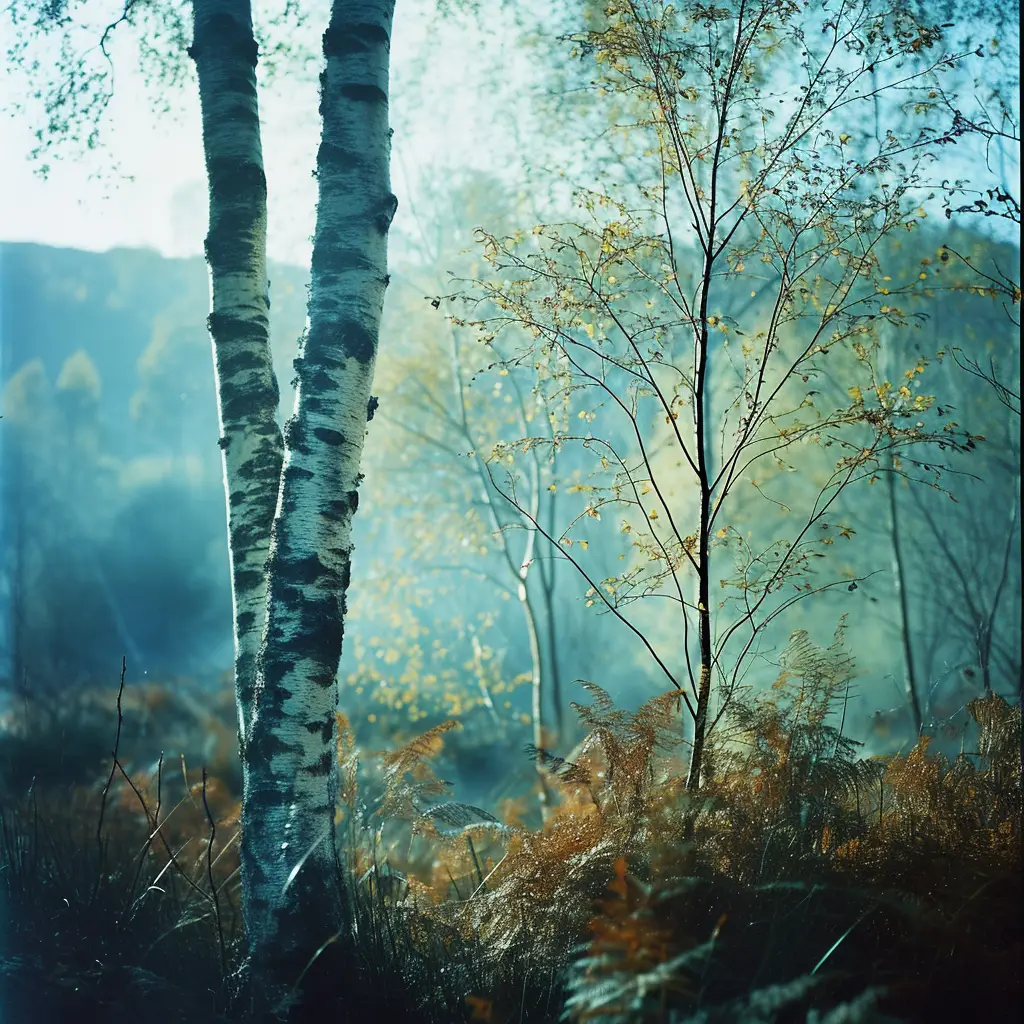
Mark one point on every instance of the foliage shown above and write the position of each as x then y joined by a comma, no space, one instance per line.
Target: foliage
807,863
693,312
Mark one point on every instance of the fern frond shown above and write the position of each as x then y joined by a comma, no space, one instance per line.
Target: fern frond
409,780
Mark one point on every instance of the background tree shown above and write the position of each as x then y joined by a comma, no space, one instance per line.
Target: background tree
434,449
629,300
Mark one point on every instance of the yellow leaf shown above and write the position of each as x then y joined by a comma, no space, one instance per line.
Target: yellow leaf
653,514
722,532
584,544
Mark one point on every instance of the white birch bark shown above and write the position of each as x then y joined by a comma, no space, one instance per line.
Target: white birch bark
290,766
225,54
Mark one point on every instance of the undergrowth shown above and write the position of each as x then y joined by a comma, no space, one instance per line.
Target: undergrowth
802,883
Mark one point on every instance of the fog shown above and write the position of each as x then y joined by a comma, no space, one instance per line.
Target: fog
113,520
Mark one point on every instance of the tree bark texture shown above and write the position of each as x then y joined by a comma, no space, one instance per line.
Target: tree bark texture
225,55
290,765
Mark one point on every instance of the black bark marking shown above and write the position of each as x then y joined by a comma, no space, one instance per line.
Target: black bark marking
244,406
342,40
337,157
247,579
304,572
225,35
264,744
324,726
335,258
371,407
337,510
322,766
247,532
359,93
229,176
330,344
386,214
317,638
334,438
294,437
313,377
233,358
238,405
265,462
245,621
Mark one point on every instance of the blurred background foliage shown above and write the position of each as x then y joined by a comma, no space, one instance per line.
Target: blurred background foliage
114,525
112,511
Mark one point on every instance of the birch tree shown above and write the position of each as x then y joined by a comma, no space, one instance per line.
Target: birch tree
638,300
225,54
287,696
290,496
290,766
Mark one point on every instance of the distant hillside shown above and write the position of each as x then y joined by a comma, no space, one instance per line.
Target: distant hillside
112,305
111,512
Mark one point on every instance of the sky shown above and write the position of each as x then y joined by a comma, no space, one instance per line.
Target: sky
448,117
159,200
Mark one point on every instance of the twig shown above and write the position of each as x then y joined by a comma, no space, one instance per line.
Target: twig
214,892
110,779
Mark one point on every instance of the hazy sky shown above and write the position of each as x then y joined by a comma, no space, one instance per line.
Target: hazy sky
437,112
444,108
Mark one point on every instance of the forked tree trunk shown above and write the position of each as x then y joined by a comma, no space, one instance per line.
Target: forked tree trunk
225,54
290,766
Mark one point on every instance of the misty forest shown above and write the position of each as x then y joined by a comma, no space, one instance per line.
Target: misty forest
510,512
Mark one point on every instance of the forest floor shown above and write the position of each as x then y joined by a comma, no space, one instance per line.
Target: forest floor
805,884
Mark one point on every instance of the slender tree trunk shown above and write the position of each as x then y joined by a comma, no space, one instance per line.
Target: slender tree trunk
910,680
536,665
225,54
520,569
288,852
554,670
703,551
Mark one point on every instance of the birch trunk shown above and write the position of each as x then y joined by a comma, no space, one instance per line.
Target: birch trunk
225,54
290,766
